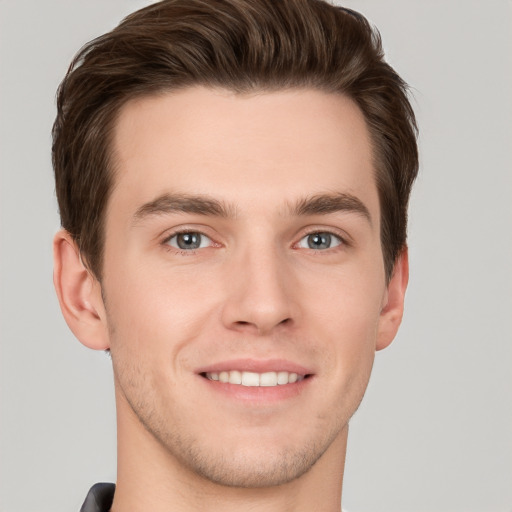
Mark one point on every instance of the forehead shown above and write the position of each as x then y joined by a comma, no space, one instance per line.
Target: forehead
263,148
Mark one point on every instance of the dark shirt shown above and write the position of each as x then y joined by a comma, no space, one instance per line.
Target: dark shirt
99,498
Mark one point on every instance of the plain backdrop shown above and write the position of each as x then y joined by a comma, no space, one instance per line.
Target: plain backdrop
434,433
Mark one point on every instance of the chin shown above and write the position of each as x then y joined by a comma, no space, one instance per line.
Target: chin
248,461
249,470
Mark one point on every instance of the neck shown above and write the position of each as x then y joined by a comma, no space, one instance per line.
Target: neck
151,478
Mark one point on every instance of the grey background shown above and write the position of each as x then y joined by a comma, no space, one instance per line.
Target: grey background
434,433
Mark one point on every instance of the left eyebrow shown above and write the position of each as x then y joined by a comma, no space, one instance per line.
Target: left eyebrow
184,203
324,204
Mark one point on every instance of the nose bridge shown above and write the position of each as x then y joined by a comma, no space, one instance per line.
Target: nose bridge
259,287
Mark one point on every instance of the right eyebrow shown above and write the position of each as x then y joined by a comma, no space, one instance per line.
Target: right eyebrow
184,203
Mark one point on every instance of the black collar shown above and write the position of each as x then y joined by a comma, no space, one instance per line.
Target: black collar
99,498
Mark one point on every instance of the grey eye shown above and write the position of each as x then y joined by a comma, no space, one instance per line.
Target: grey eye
319,241
189,241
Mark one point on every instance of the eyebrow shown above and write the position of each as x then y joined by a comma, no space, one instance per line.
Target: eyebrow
320,204
184,203
324,204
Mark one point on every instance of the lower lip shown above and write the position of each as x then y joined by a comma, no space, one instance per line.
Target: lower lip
258,394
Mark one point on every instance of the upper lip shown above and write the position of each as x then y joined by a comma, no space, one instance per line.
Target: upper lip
256,366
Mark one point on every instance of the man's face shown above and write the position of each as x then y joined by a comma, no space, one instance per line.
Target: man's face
242,243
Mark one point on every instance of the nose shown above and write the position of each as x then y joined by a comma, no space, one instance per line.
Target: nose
259,293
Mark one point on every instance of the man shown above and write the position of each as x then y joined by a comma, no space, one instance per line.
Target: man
233,179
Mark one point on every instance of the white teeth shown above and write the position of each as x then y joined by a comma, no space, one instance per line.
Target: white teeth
282,377
235,377
252,379
269,379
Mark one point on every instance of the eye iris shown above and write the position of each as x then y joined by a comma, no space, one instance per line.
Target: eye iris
319,241
188,240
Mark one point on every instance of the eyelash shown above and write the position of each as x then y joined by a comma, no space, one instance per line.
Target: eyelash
184,252
343,242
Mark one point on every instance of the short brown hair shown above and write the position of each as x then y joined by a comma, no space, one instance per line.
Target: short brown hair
241,45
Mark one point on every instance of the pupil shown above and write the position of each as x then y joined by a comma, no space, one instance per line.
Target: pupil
189,240
319,241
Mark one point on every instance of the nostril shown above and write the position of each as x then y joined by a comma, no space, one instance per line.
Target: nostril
260,322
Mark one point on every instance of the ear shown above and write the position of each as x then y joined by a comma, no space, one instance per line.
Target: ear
79,294
393,303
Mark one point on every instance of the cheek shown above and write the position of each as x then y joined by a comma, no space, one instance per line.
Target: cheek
347,302
345,310
154,314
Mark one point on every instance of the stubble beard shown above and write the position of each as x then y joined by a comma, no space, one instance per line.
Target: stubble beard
230,468
245,466
233,468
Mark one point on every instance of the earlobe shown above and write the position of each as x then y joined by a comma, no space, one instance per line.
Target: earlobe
79,294
393,308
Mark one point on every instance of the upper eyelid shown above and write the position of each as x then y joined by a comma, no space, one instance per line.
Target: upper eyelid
209,243
339,233
166,235
186,231
341,240
165,242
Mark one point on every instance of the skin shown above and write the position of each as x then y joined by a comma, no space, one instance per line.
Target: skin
254,291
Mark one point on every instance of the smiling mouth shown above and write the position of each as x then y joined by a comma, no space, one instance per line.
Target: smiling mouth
253,379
